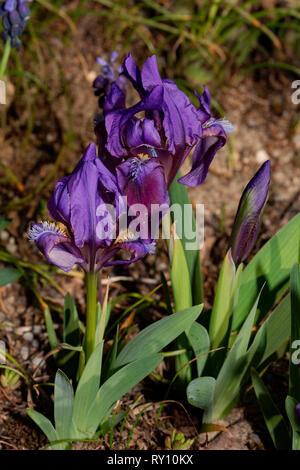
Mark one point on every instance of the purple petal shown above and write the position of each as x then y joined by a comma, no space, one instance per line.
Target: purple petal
143,181
10,5
77,197
204,100
101,61
59,203
100,82
136,249
203,156
131,71
150,134
84,199
57,248
182,115
113,56
150,74
133,133
115,99
116,120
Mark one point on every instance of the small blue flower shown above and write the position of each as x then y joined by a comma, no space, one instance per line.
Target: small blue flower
15,14
110,73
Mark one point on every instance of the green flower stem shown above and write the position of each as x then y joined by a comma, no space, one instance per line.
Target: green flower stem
5,57
91,320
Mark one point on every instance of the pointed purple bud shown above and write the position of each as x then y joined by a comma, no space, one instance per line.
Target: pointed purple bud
249,214
297,410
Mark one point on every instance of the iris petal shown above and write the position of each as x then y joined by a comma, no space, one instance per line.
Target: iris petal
203,156
59,250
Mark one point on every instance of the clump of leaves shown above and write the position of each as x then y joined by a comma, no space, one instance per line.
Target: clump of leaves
9,379
177,441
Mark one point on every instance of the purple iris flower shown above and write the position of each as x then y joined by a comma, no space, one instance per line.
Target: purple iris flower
171,127
81,234
249,214
15,14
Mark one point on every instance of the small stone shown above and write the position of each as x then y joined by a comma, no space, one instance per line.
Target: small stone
296,141
36,361
28,337
21,330
251,123
37,329
35,343
11,246
261,156
4,235
91,76
24,352
50,138
161,266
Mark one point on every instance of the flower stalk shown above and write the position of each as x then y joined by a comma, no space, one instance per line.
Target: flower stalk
5,57
92,282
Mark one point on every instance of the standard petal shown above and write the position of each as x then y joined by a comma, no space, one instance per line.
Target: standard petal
204,108
84,199
182,114
150,74
59,203
131,71
117,120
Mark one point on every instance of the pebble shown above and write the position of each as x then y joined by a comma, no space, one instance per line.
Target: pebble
20,308
37,329
22,329
161,266
35,343
91,76
11,246
296,141
50,138
36,360
24,352
261,156
4,235
28,337
252,123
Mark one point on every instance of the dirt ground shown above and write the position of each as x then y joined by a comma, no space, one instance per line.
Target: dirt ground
261,110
